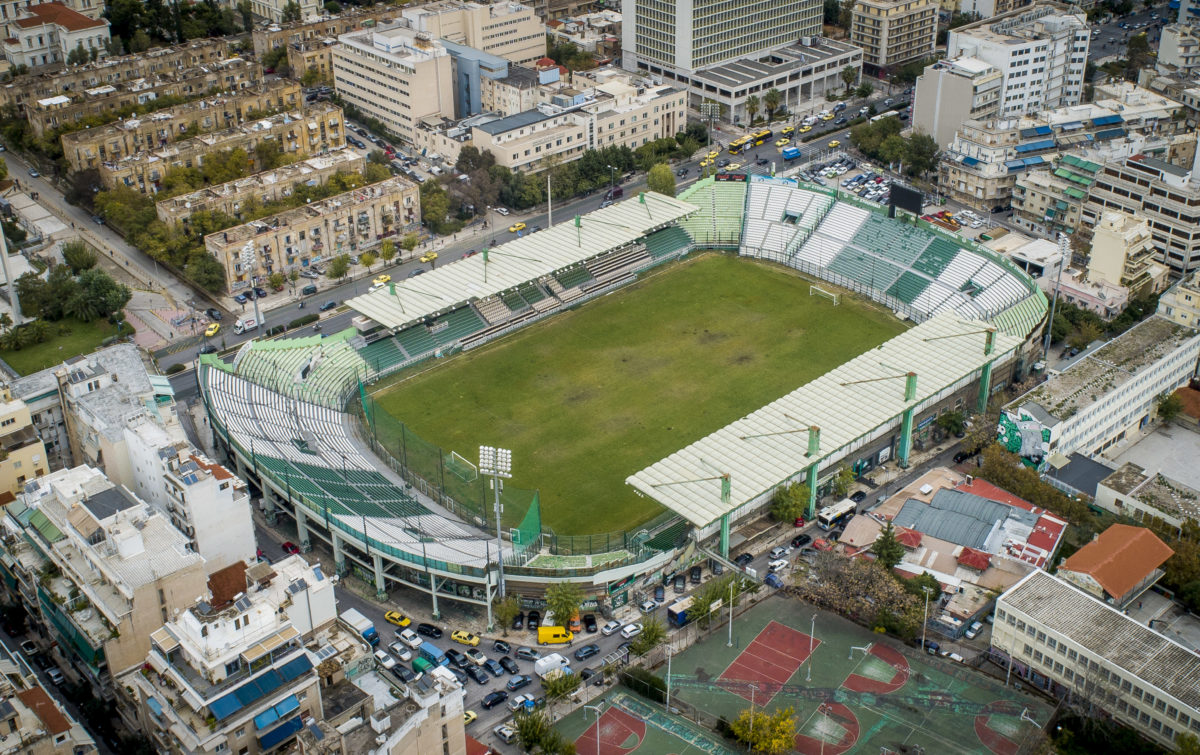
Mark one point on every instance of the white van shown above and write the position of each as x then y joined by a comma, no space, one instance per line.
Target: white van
245,325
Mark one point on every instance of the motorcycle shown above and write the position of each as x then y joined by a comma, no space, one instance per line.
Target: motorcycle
301,305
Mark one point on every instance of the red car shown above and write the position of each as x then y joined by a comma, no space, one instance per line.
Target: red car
290,548
799,522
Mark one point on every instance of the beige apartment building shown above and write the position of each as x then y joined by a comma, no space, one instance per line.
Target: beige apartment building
395,75
1123,253
272,10
88,148
1049,202
347,223
893,32
507,30
315,130
312,54
24,90
1181,302
267,38
22,454
951,92
103,102
232,197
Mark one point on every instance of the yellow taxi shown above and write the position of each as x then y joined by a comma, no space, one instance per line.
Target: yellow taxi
397,618
381,280
463,637
788,130
705,163
516,227
431,256
805,129
733,166
827,117
834,144
212,330
469,717
714,155
783,142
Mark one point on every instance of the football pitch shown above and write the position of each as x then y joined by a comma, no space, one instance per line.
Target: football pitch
588,397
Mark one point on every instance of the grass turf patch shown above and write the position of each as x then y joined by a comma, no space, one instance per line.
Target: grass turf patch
84,338
591,396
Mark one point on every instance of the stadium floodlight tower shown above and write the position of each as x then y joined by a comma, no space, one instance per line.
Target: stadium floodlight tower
497,464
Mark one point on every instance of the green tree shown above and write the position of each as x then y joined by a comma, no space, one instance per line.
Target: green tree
1087,332
140,42
559,686
366,259
846,14
533,728
843,481
661,179
790,502
78,56
709,593
311,77
505,611
752,106
333,7
387,250
246,11
922,153
654,631
106,295
276,280
563,600
772,99
78,256
3,168
338,267
770,733
887,549
1187,744
6,321
864,90
269,155
952,422
849,77
204,270
410,241
293,276
1169,406
373,173
1137,55
291,11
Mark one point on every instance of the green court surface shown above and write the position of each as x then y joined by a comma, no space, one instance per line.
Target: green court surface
590,396
628,724
896,697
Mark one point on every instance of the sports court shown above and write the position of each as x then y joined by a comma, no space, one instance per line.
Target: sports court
628,724
861,692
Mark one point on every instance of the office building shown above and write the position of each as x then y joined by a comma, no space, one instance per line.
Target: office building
99,570
88,148
1181,302
1055,636
234,197
348,223
396,76
47,33
1178,50
1147,496
507,30
1041,50
32,721
951,92
893,32
675,38
1123,253
1111,392
22,454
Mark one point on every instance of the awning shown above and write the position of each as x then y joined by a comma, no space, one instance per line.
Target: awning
1107,120
1035,131
1072,126
970,161
1111,133
276,640
278,735
1071,191
164,640
1036,146
280,710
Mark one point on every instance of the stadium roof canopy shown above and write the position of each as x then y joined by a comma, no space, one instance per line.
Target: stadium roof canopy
520,261
770,446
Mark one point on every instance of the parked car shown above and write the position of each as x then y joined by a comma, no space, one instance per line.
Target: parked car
213,314
519,621
501,647
610,627
56,677
520,681
520,702
695,574
629,631
410,638
456,658
429,630
505,733
29,648
459,674
528,654
469,717
952,656
479,675
208,348
509,665
240,298
974,630
385,660
493,668
589,623
290,548
801,540
778,564
743,559
648,606
260,292
476,657
779,551
533,620
680,584
660,594
492,699
397,618
405,674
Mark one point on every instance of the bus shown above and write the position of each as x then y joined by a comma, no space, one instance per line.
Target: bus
836,515
737,145
433,654
762,136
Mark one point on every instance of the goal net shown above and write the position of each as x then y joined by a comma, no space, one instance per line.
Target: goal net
817,290
461,468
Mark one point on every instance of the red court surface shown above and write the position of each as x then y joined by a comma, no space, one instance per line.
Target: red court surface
893,658
768,662
842,716
992,739
619,733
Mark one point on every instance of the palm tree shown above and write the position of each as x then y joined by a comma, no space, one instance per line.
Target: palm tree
6,321
40,330
772,100
752,106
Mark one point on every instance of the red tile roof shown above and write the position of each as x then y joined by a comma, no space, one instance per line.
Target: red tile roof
475,747
1046,535
974,559
57,13
908,538
215,469
223,584
1119,558
43,707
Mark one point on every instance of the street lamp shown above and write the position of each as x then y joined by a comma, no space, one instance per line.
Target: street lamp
753,689
497,464
925,589
612,172
596,709
812,638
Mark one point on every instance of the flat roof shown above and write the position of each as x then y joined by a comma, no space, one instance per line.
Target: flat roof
769,446
514,121
774,63
520,261
1108,634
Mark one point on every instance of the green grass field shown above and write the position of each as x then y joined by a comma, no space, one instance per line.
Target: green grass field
595,394
84,338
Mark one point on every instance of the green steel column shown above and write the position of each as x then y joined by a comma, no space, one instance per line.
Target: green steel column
906,424
725,536
985,388
812,491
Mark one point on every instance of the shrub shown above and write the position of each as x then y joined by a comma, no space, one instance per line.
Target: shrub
177,367
300,322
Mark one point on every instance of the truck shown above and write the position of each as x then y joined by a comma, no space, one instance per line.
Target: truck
791,153
245,325
360,624
552,664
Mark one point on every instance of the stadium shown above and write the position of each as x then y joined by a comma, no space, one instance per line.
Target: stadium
309,421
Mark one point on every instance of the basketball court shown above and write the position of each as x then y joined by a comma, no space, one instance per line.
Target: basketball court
768,662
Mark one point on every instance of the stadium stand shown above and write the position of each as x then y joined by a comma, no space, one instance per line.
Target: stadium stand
382,354
722,207
494,310
667,243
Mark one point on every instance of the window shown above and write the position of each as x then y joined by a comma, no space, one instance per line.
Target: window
1053,643
240,732
1041,637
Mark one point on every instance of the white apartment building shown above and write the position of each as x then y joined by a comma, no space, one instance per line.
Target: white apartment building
1057,636
33,722
235,676
507,30
1181,302
1040,50
893,32
684,36
45,34
1178,50
395,75
951,92
272,10
1112,392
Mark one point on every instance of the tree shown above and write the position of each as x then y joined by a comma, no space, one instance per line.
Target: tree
387,250
246,11
338,267
790,502
846,14
532,729
3,169
78,56
505,611
6,321
269,155
276,280
654,631
709,593
410,241
293,276
140,42
560,685
771,101
849,77
661,179
78,256
104,295
842,482
1137,54
887,548
771,733
333,7
1169,407
291,11
311,77
952,422
1187,744
864,90
1087,332
563,600
366,259
752,106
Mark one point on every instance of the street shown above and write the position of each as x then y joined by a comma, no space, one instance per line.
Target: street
1112,37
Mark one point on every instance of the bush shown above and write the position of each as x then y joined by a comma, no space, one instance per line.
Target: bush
645,683
300,322
276,330
177,367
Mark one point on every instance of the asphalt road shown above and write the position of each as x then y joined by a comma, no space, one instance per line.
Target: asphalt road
1112,38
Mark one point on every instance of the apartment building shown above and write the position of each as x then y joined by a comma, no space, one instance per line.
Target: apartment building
1041,50
1178,50
11,10
105,103
47,33
34,720
396,76
893,32
518,90
548,10
1145,496
1181,302
951,92
88,148
1112,391
1049,202
507,30
272,10
316,129
24,90
352,18
347,223
232,673
982,8
675,38
1123,253
1182,89
598,33
233,197
22,454
99,569
314,54
1059,638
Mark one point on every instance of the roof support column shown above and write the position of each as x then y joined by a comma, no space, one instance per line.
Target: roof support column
339,558
488,593
812,491
380,584
985,388
433,591
906,426
302,529
725,536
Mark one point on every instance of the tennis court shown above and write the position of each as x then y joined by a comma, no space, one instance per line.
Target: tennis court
768,662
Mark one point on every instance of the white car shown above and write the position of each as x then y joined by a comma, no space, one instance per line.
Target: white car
953,657
648,606
400,650
410,638
385,660
610,627
506,733
780,551
502,211
629,631
778,564
974,630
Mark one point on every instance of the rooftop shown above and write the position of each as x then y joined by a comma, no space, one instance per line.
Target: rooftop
965,519
44,708
1156,490
1120,558
1079,472
1107,369
795,57
1027,22
123,359
57,13
1113,639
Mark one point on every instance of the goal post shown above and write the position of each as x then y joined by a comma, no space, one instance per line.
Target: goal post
827,294
461,468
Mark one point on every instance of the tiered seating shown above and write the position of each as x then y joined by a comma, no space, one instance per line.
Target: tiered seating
460,323
493,310
891,240
382,354
532,293
831,236
416,340
315,368
865,268
573,278
722,206
961,268
908,287
513,301
667,242
936,257
613,266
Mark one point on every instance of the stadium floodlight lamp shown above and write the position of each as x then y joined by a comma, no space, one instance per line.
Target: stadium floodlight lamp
497,463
